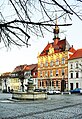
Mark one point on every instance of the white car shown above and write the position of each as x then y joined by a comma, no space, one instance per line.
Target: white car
57,92
50,92
81,91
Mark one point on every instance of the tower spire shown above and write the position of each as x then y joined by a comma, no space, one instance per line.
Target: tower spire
56,30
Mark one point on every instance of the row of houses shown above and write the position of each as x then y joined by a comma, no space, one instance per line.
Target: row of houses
59,67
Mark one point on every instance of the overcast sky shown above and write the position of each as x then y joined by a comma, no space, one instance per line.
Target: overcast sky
14,57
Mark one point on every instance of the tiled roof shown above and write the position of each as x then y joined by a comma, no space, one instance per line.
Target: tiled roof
6,74
30,67
72,50
24,67
19,68
58,45
77,54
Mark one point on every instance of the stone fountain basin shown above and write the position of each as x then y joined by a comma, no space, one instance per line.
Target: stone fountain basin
29,95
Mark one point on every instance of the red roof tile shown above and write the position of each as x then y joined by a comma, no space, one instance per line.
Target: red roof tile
72,50
19,68
58,47
77,54
25,67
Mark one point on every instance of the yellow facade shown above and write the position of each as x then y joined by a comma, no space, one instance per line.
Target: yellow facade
15,84
53,68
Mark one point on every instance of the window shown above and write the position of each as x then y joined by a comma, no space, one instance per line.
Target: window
51,63
62,71
76,64
52,83
57,62
34,73
56,72
42,83
46,83
46,74
46,63
71,75
28,73
51,73
41,65
63,60
56,83
40,73
71,66
76,85
77,75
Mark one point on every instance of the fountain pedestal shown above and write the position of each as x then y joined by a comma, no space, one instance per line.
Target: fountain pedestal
29,95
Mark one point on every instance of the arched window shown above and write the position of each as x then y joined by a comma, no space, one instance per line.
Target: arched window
76,64
56,72
40,73
46,73
52,83
71,65
56,83
42,83
51,73
77,74
62,71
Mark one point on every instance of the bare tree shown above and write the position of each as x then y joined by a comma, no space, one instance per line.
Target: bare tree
32,17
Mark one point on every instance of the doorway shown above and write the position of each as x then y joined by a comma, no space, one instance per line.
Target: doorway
71,86
63,85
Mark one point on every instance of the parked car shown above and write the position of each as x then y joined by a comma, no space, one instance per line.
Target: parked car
50,92
57,92
39,90
81,91
76,90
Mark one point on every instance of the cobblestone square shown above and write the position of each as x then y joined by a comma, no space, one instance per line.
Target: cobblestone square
55,107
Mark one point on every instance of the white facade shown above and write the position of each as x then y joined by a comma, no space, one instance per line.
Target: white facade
74,73
6,84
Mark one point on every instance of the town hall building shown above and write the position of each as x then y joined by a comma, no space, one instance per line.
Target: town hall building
53,63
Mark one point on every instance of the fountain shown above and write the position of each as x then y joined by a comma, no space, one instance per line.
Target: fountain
30,94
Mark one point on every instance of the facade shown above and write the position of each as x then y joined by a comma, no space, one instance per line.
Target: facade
21,74
53,63
30,72
75,70
5,82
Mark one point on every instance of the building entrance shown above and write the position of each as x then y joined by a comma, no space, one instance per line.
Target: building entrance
63,85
